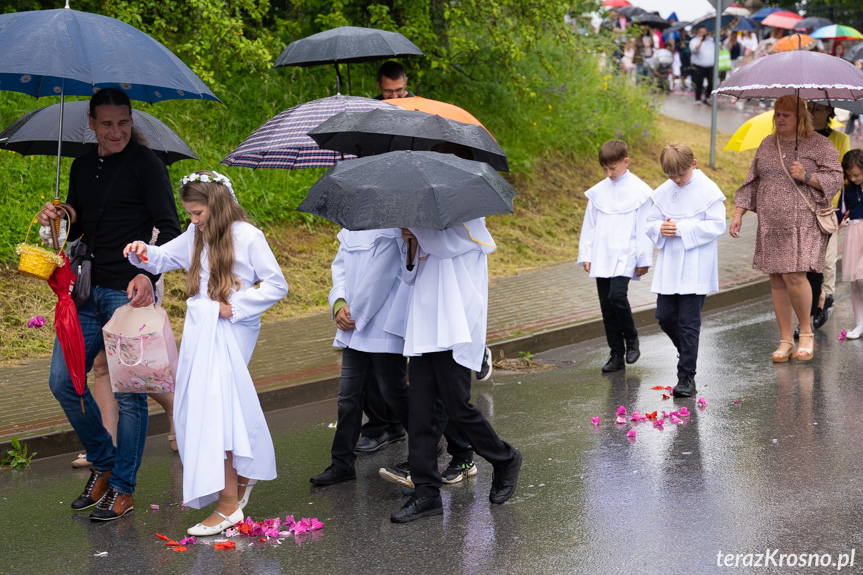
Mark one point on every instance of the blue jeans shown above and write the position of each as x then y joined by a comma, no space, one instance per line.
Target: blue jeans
125,459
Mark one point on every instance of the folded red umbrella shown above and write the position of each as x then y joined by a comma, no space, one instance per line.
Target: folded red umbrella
68,328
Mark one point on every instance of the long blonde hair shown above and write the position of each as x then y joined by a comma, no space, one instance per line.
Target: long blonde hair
223,211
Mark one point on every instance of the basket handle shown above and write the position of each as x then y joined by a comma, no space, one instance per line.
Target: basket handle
70,213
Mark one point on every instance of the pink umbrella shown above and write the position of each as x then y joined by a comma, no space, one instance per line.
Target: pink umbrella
784,19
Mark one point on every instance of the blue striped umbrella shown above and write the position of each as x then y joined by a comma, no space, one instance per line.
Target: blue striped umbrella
283,141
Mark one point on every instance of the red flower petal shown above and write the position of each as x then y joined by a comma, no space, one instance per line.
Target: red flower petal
171,543
180,548
225,545
658,387
162,537
664,396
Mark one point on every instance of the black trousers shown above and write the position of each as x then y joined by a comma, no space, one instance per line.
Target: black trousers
679,317
616,312
436,376
701,74
815,281
361,371
382,419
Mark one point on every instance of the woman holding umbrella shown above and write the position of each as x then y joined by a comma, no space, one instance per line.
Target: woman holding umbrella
795,172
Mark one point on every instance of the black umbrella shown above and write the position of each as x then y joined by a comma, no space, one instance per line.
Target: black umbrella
728,23
35,134
675,27
631,11
651,20
812,23
854,53
379,131
408,189
346,45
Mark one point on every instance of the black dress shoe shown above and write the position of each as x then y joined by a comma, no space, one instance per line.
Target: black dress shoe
369,444
820,317
632,351
614,363
504,480
828,302
334,474
685,387
417,508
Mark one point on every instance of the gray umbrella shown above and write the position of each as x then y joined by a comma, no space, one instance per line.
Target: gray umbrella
408,189
35,134
854,53
346,45
652,20
381,130
812,23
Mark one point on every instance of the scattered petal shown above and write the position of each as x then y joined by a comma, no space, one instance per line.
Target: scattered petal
154,507
659,423
595,420
316,524
658,387
620,419
673,413
225,545
171,543
683,412
676,420
630,433
735,402
651,415
180,548
701,401
666,396
36,321
621,410
842,335
190,540
231,532
162,537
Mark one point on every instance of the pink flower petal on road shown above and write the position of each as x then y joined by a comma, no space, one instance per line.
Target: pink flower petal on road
620,419
701,401
683,412
621,410
659,423
316,524
842,335
675,419
630,433
595,420
154,507
188,540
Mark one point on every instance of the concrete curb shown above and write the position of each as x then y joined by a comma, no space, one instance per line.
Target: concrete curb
65,441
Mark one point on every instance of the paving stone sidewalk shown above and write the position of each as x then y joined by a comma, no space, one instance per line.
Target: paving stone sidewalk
294,352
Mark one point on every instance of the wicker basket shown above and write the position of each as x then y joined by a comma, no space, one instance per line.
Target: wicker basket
36,261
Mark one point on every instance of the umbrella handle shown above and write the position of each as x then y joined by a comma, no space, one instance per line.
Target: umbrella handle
408,262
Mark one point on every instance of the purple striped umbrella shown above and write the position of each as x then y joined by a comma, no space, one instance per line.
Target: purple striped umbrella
283,141
811,75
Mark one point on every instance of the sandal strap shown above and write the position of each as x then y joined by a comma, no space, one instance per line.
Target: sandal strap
788,341
222,515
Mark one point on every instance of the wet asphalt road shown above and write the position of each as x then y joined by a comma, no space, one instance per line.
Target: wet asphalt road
771,465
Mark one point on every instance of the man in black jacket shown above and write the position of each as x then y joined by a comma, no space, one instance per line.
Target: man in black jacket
120,191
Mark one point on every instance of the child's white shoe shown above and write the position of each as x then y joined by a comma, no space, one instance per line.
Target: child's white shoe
855,333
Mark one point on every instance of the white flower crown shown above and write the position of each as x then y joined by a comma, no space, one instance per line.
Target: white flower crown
216,178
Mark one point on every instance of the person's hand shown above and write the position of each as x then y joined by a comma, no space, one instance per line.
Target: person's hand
137,248
641,271
586,266
798,172
736,222
845,218
668,228
343,319
49,213
140,291
225,310
408,235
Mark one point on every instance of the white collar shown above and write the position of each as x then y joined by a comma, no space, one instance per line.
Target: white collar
620,196
693,198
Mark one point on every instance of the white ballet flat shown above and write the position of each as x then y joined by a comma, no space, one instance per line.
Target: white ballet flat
230,520
251,483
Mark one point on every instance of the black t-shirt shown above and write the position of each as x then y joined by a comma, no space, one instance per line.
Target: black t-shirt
140,199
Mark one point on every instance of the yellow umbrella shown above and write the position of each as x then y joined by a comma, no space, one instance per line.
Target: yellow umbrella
749,135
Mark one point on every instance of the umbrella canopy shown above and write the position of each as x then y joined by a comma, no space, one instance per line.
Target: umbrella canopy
651,20
36,133
737,10
54,52
408,189
783,19
379,131
616,3
812,75
728,23
283,141
676,27
345,45
428,106
793,42
745,24
854,53
812,23
68,327
837,32
631,11
853,106
755,129
764,13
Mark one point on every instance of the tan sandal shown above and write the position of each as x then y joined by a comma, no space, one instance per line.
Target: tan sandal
782,357
172,442
806,353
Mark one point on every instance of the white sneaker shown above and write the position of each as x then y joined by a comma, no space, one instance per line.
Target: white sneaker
855,333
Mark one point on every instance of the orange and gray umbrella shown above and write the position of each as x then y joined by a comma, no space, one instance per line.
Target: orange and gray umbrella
793,42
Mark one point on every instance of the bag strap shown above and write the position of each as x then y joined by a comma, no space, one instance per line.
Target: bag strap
787,173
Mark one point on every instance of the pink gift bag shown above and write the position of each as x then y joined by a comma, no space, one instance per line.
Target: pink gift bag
142,352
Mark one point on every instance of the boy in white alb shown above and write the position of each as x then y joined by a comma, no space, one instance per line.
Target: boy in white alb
445,336
614,249
685,222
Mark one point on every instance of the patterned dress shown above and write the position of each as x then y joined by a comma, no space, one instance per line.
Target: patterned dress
788,237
